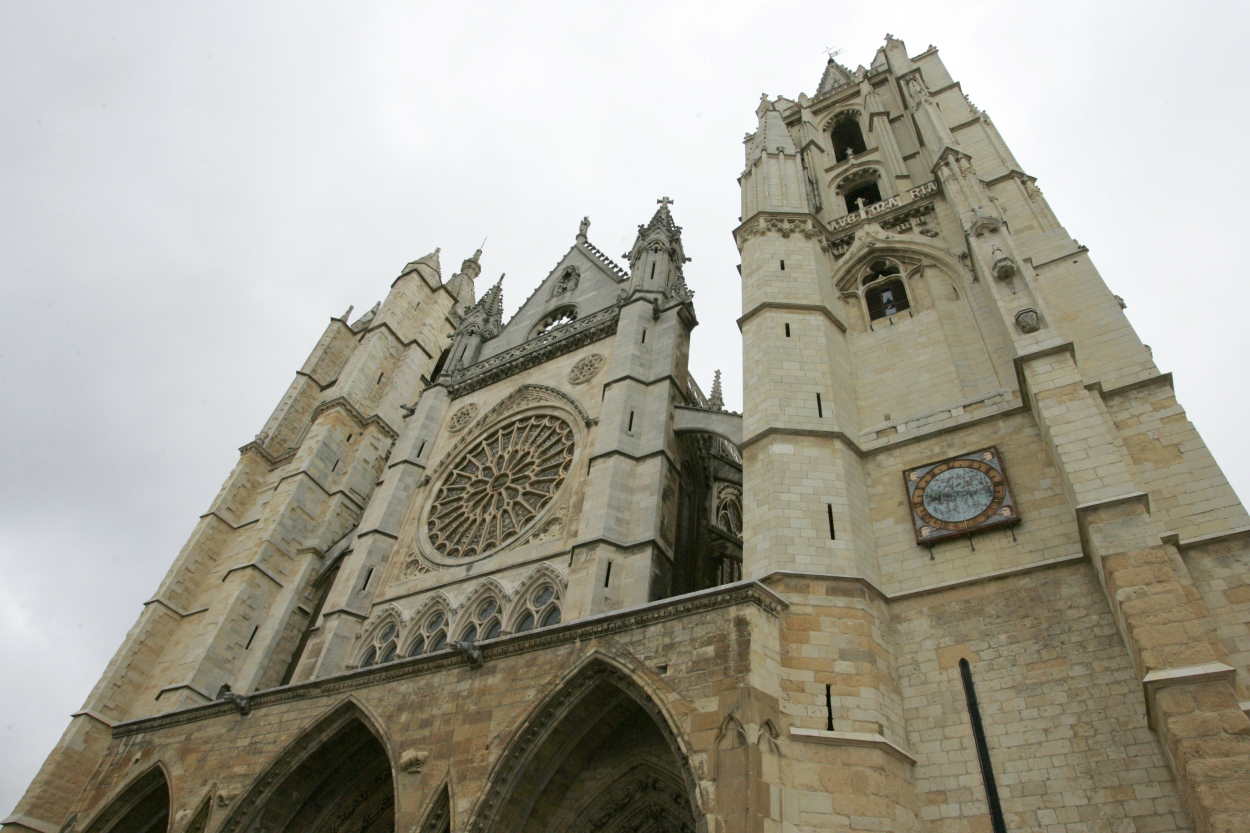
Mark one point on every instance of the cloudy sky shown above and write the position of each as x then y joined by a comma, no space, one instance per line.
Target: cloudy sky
189,190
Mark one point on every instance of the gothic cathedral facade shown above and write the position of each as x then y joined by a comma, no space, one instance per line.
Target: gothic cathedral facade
961,565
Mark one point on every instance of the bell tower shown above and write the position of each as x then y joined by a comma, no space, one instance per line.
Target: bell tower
939,388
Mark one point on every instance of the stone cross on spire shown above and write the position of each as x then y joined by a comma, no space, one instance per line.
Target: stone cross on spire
665,201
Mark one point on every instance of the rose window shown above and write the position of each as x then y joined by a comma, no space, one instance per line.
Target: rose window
499,486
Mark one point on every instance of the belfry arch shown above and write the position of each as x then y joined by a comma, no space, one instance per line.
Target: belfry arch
599,753
141,807
336,776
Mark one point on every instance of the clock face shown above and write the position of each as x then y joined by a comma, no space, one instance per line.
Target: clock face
959,495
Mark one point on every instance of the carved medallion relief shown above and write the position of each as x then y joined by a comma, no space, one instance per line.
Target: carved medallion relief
586,368
461,418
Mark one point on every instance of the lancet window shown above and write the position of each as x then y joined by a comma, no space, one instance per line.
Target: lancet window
540,608
383,646
884,292
729,510
431,635
483,621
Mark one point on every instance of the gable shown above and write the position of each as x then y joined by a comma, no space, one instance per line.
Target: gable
584,280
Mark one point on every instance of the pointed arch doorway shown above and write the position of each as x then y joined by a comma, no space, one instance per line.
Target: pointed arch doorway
143,807
597,756
336,777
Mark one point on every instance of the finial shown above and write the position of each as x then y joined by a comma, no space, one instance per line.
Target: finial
665,202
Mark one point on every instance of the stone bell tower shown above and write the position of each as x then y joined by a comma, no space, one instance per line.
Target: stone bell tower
941,392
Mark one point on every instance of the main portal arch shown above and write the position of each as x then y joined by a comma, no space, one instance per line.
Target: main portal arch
599,754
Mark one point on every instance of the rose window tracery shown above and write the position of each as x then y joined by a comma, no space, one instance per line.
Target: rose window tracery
499,485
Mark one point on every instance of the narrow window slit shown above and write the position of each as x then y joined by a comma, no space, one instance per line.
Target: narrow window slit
607,576
255,628
368,575
652,271
336,465
833,533
828,707
630,427
787,329
349,437
997,821
820,409
783,266
644,335
379,381
421,448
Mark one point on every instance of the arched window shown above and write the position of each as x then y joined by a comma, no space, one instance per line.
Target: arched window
729,510
541,608
868,192
883,289
558,318
431,636
483,621
383,646
848,139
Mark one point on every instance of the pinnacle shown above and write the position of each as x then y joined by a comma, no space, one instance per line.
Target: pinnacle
716,399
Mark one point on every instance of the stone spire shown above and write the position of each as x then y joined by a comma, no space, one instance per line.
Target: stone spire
461,283
428,267
485,318
716,399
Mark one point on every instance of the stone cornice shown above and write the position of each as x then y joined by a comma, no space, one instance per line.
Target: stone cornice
567,633
1174,538
1161,678
383,325
345,405
1107,393
251,566
782,305
869,740
156,600
549,345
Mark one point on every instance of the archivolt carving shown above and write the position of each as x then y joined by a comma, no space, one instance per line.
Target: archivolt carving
644,799
499,485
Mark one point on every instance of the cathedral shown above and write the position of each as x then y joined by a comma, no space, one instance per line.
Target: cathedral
961,565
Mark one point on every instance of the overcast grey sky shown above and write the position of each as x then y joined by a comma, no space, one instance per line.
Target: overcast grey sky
189,191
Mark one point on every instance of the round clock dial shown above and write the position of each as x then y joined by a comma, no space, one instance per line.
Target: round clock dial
959,494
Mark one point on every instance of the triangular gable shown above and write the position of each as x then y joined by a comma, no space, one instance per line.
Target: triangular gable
585,280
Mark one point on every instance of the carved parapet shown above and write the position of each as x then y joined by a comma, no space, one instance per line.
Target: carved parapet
542,348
